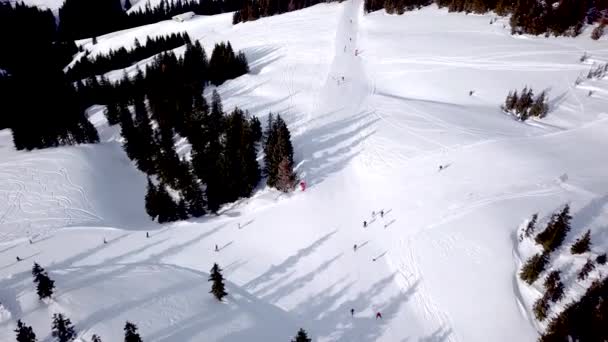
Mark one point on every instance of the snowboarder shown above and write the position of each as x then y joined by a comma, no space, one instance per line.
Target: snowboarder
105,241
352,312
381,213
355,247
364,224
147,234
378,315
217,249
18,259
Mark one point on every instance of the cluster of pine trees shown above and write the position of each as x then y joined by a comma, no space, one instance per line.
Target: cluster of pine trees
54,118
558,17
250,10
278,155
62,330
122,58
84,19
525,105
582,320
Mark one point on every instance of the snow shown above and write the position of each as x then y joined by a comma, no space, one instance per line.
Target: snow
446,249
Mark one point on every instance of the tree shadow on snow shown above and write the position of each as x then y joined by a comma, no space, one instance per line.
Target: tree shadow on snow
329,148
440,335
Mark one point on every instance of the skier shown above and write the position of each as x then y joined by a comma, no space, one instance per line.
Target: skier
378,315
31,241
147,234
373,213
440,167
381,213
342,78
217,249
105,241
364,224
18,259
352,312
355,247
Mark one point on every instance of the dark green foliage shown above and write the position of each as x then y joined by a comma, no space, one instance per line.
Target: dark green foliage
554,234
585,270
541,308
81,18
44,285
582,244
531,227
131,334
251,10
63,329
565,17
554,287
122,58
224,64
601,259
218,288
584,320
598,32
533,268
152,200
96,338
24,333
278,154
167,208
302,336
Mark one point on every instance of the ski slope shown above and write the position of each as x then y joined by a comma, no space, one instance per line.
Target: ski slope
369,131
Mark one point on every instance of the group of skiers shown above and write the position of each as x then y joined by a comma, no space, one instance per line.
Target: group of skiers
378,314
374,215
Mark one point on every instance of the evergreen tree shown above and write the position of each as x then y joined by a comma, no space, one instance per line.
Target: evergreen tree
24,333
167,208
531,226
554,234
131,334
286,178
44,285
554,287
533,268
541,308
539,108
96,338
601,259
147,148
511,100
217,288
301,337
586,269
112,113
63,330
583,244
151,200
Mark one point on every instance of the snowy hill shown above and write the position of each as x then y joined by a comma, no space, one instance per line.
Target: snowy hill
370,131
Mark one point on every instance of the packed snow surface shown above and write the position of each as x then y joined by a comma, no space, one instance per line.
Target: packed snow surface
376,103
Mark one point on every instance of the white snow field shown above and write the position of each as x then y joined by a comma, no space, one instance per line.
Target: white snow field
369,133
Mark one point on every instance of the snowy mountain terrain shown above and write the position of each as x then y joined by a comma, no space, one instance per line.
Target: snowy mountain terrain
375,104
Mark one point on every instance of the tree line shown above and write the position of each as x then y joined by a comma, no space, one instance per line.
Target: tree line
84,19
581,320
53,118
556,17
250,10
122,58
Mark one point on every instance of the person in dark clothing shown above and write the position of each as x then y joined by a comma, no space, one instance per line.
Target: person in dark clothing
378,315
216,248
147,234
105,241
381,213
352,312
18,258
355,247
364,224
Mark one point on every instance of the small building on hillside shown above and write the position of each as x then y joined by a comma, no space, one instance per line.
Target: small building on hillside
183,17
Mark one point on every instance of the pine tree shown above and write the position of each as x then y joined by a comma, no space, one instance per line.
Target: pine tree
62,330
555,233
24,333
541,308
167,208
112,113
217,288
301,337
601,259
583,244
531,227
95,338
151,200
44,285
586,269
533,268
286,178
511,101
131,334
554,286
147,148
539,108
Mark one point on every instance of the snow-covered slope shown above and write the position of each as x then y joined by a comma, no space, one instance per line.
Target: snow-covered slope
369,131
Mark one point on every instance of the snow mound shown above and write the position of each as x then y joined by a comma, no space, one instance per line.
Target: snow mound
168,303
